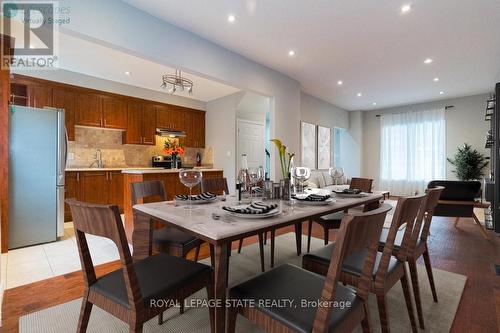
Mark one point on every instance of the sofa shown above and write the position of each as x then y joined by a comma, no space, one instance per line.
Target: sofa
322,179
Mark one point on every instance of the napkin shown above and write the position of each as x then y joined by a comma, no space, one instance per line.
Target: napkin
312,197
254,208
202,196
349,191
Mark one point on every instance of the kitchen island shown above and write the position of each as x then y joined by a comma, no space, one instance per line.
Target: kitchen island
169,178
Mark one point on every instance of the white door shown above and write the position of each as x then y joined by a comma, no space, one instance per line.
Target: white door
251,142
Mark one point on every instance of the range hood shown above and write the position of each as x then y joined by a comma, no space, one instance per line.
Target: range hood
170,133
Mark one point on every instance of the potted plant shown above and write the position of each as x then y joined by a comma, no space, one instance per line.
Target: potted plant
469,163
285,161
174,150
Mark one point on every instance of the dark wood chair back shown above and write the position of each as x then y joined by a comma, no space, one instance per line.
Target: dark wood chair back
357,232
363,184
104,221
433,195
408,210
148,189
214,185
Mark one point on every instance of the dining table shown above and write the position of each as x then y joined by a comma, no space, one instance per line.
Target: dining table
219,228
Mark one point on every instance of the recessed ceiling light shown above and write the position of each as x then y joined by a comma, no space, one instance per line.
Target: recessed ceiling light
231,18
428,61
339,82
359,94
436,79
405,9
374,103
127,73
291,53
441,92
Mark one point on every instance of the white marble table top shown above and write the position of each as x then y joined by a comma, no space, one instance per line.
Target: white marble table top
199,219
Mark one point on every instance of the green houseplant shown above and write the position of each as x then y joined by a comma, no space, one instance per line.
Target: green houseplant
469,163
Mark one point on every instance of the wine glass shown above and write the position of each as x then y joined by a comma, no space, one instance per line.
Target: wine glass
336,173
301,174
255,175
190,178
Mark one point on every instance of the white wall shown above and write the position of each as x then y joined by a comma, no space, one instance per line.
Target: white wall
316,111
118,25
464,123
91,82
221,134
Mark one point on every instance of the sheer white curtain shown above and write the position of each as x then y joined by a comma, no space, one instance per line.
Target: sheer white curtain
412,150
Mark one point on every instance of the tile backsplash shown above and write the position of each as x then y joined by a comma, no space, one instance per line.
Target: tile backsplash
116,154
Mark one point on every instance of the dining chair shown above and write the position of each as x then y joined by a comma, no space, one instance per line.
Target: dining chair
417,247
332,221
314,302
168,240
219,186
137,291
389,265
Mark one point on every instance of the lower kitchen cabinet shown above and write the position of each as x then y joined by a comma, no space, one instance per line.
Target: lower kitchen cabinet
100,187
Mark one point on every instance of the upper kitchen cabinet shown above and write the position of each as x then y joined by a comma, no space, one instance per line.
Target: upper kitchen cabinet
88,110
41,96
65,99
163,116
149,124
195,128
177,116
114,113
199,128
141,123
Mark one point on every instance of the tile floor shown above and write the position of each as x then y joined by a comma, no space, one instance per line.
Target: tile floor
39,262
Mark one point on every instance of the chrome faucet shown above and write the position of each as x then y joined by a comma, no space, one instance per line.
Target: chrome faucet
98,160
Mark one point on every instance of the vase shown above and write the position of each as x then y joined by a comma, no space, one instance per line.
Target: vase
285,186
174,162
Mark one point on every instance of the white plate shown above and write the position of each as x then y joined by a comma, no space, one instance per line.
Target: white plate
196,202
315,203
272,213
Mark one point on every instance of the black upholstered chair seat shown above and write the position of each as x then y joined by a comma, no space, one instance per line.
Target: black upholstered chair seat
170,235
353,264
158,276
289,282
332,217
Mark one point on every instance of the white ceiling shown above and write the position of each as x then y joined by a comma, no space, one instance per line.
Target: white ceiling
369,45
79,55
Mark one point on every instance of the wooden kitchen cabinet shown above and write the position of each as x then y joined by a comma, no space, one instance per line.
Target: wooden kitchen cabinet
114,113
71,191
115,189
177,117
94,187
195,128
40,96
141,124
100,187
88,111
149,124
65,99
133,134
163,116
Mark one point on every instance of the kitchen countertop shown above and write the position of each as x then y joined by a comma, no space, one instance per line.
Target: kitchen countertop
110,169
137,170
160,170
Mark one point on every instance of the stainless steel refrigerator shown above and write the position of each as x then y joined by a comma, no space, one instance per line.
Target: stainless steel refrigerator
37,160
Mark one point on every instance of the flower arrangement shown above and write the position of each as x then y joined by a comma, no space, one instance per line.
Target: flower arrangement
285,158
172,148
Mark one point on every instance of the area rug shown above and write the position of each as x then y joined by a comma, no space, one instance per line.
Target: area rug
438,316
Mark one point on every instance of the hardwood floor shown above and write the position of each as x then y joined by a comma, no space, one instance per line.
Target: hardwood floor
461,250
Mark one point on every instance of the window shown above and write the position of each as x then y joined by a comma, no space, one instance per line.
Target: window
412,150
338,138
